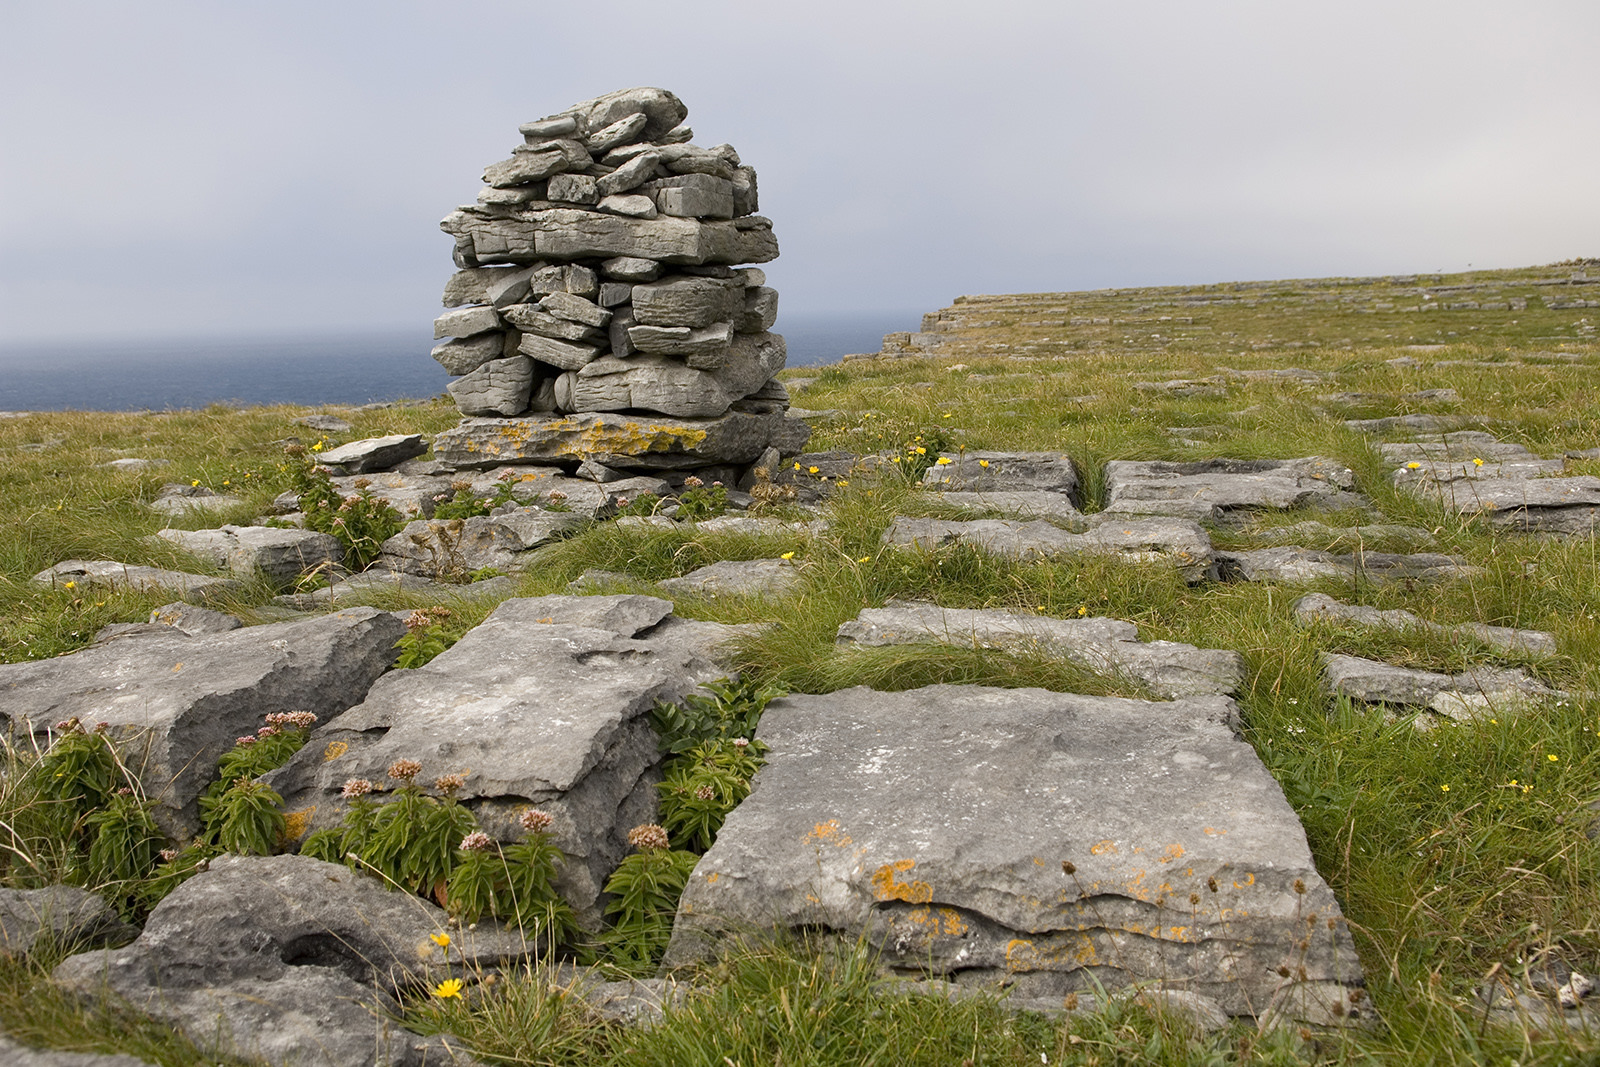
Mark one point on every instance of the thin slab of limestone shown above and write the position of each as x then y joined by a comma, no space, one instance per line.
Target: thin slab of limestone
1016,503
749,577
1317,607
1472,694
1050,841
1227,484
1291,563
546,703
109,574
1312,530
1166,668
988,472
1175,542
1531,505
760,526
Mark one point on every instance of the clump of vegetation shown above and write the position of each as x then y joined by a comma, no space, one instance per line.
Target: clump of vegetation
361,522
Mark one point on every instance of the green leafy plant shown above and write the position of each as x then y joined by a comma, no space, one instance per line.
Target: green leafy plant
412,839
729,709
360,522
246,818
645,889
425,637
124,844
79,773
644,504
701,501
516,883
703,784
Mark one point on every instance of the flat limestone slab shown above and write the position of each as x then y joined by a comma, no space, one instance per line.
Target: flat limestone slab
110,574
1316,607
1476,693
278,554
185,699
1290,563
1175,542
375,453
1046,840
979,472
293,960
1112,646
751,577
1534,505
545,703
615,439
1227,484
1017,503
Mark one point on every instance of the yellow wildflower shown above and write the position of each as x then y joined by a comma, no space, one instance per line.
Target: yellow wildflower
787,555
1082,610
864,559
1444,788
811,470
942,461
1413,465
195,484
440,939
450,987
983,463
1476,462
921,451
1553,758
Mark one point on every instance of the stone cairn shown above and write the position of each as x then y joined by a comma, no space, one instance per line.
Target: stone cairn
600,314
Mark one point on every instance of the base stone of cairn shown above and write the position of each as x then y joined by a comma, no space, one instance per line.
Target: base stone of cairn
604,308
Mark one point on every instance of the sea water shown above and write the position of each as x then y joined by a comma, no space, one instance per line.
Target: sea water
359,368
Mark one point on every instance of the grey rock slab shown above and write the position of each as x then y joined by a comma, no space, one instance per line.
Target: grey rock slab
539,162
575,309
616,440
179,498
1168,541
57,915
1046,840
1533,505
467,355
1021,504
631,269
680,340
1312,530
623,131
325,423
471,286
110,574
465,322
752,577
545,703
980,472
573,189
278,554
1416,423
1230,483
1289,563
499,387
179,702
577,234
194,621
16,1054
453,549
760,310
292,960
567,355
704,196
692,302
663,111
760,526
1111,646
1317,607
411,495
1477,693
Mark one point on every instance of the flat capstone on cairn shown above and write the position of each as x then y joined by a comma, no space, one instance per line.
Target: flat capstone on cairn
601,317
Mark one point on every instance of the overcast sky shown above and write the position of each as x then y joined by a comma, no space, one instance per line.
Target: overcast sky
171,169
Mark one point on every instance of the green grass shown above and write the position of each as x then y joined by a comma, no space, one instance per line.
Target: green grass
1441,886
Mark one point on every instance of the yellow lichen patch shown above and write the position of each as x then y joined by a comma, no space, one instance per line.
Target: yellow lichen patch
176,667
1100,848
1249,880
1212,831
711,879
296,823
1024,955
1172,852
829,833
334,750
886,886
936,921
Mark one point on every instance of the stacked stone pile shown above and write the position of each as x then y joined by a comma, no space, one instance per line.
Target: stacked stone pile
599,272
